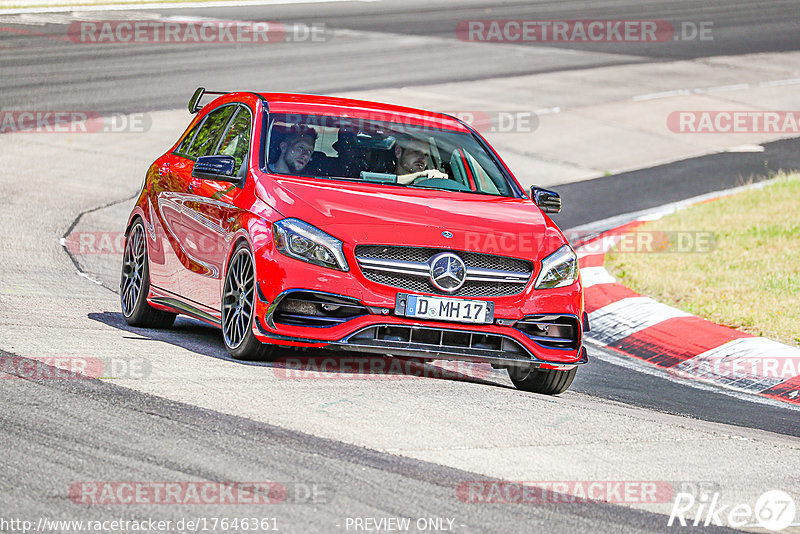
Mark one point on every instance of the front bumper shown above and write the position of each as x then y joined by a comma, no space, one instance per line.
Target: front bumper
377,330
360,343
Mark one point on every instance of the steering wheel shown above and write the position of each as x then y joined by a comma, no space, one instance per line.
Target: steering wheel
424,177
441,183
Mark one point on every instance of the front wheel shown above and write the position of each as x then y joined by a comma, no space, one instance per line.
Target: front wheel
544,381
238,309
135,284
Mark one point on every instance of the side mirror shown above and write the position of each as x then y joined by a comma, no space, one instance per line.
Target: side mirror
548,201
219,168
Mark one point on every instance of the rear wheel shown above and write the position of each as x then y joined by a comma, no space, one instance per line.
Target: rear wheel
238,309
135,284
544,381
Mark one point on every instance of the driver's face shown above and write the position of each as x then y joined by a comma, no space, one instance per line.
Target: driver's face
298,154
413,158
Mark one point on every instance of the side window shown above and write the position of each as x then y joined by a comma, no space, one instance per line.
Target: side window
482,179
236,140
187,141
207,137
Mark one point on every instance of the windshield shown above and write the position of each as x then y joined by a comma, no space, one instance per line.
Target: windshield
388,153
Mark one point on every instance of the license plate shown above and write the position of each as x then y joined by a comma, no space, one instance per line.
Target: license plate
444,309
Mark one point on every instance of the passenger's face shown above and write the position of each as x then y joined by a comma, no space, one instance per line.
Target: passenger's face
298,154
413,158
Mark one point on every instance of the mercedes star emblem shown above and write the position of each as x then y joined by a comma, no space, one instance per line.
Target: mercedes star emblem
448,271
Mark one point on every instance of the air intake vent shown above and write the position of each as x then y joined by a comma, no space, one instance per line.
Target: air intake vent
557,331
307,308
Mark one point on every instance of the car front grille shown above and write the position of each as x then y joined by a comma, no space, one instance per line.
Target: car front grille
408,268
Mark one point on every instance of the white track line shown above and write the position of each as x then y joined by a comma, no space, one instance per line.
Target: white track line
592,276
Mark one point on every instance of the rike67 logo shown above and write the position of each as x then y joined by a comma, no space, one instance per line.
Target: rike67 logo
774,510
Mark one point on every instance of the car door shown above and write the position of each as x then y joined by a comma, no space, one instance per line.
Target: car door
166,195
184,230
210,210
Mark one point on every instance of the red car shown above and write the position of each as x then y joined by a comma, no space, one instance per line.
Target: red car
293,220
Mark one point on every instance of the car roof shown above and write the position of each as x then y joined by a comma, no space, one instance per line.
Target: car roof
331,105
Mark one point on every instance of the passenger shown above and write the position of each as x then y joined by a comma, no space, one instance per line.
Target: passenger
296,149
412,160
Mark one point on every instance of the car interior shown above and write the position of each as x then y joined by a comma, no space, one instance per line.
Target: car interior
368,153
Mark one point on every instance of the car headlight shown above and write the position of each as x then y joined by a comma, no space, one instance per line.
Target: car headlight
298,239
559,269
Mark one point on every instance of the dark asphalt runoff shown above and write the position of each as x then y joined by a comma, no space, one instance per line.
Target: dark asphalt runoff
594,200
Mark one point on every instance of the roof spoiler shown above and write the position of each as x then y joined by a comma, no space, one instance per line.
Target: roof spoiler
194,102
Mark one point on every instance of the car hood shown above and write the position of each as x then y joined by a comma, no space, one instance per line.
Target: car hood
384,215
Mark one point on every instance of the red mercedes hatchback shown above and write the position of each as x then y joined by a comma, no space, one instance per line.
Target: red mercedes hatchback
310,221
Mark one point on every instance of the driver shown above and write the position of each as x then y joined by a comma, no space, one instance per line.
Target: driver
296,149
412,160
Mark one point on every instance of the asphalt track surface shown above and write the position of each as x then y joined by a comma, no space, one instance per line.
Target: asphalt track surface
94,430
188,441
391,44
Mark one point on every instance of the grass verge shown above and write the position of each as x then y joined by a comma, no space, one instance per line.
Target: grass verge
734,261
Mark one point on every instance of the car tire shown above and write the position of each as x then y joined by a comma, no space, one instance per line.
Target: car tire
544,381
134,285
238,309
